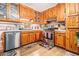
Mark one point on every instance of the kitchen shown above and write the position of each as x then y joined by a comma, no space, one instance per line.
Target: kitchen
27,29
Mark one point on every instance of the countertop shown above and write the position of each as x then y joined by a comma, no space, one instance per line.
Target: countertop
60,30
17,30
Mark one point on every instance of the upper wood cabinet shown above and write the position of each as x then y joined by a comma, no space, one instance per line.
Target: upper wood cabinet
23,10
54,11
9,12
72,22
50,13
72,8
61,12
57,12
3,11
26,12
13,11
43,17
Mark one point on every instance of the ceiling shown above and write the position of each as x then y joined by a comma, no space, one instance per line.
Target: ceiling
40,6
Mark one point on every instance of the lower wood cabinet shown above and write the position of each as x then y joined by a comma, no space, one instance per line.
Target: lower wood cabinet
60,38
71,40
24,38
2,43
29,37
32,37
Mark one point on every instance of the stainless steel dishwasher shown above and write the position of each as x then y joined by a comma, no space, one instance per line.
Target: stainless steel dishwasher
12,40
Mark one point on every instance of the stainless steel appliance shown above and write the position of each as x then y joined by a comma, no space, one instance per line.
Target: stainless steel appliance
12,40
10,43
48,39
17,39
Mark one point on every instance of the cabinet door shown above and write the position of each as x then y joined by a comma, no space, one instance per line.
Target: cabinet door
70,8
60,39
58,12
56,38
50,13
3,10
13,11
61,12
71,41
77,8
24,38
37,36
32,37
22,12
72,22
2,46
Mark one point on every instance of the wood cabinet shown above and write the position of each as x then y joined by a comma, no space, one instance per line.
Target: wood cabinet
2,42
77,8
54,12
61,12
23,12
13,11
71,40
3,11
38,37
60,38
43,17
72,22
26,12
50,13
57,12
72,8
24,38
29,37
32,37
9,12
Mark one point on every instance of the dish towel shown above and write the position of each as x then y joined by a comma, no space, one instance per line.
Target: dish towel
50,35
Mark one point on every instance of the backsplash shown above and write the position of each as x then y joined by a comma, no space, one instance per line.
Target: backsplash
8,26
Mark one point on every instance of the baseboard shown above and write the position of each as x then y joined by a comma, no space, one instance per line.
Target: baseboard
67,50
